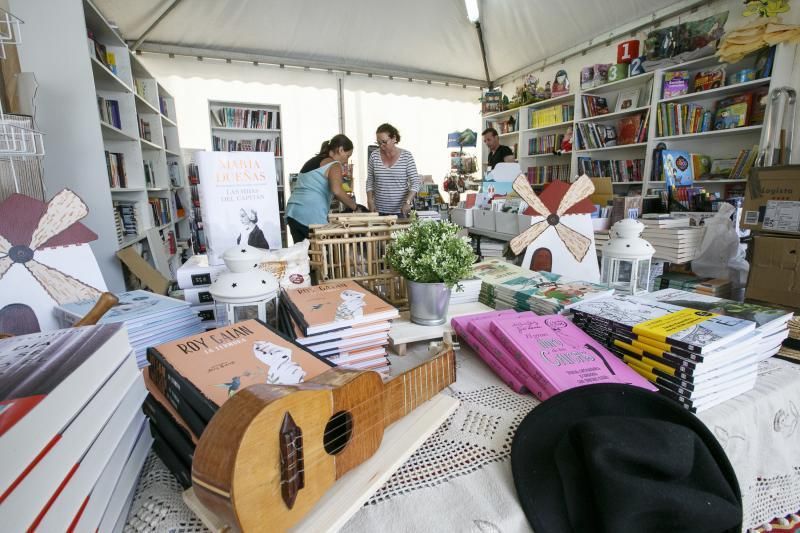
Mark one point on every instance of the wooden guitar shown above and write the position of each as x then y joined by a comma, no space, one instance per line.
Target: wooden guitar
271,451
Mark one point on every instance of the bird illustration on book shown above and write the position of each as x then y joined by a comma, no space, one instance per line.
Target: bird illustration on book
234,384
352,307
282,369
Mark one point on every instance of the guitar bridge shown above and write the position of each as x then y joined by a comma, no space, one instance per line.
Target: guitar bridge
291,453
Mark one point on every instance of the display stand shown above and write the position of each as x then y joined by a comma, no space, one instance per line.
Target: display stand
404,331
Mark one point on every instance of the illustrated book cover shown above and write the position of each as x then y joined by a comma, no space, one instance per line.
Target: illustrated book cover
678,171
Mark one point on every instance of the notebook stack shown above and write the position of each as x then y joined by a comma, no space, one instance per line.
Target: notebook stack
543,355
195,277
600,240
150,318
507,286
342,322
72,435
791,345
465,291
695,357
189,378
673,238
689,282
492,247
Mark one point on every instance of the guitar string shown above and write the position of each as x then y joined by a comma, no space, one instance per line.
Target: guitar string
405,398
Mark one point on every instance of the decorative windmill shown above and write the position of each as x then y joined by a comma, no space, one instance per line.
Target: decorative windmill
45,259
561,236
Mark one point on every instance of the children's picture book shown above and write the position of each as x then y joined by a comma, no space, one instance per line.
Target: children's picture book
701,166
628,99
336,305
677,168
627,129
733,112
676,83
207,368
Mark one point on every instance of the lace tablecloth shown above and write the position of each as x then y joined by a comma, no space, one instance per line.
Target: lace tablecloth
460,479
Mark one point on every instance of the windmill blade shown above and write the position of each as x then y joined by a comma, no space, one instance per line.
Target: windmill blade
61,287
5,246
579,190
525,192
521,241
576,243
5,264
63,210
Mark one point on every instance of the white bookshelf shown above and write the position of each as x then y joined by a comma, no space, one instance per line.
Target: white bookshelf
272,134
71,77
716,143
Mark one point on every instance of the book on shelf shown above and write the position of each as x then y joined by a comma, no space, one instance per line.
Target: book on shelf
160,210
115,166
144,130
627,99
206,369
676,83
594,106
246,118
109,112
548,173
550,116
222,144
733,112
142,89
680,119
677,168
162,105
545,144
619,170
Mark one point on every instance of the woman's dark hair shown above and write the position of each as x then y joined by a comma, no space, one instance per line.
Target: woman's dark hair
337,141
389,130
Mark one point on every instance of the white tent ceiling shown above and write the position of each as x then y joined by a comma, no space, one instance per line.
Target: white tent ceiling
410,38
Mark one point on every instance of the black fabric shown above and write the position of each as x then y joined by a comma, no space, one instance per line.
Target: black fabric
299,232
612,458
255,239
313,163
498,155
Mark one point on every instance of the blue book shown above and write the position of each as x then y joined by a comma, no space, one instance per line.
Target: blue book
134,308
677,168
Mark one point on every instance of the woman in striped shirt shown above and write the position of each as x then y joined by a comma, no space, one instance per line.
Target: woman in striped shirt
392,179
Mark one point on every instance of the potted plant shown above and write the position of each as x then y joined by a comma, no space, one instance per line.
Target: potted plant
432,257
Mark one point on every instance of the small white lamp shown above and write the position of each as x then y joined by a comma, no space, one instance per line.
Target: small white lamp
245,292
626,258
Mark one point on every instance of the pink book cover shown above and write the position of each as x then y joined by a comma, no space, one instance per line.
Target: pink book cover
529,375
460,323
565,356
513,382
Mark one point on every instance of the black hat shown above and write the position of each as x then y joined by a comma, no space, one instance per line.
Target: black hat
619,458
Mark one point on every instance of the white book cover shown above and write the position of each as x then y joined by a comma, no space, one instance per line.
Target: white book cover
116,513
239,201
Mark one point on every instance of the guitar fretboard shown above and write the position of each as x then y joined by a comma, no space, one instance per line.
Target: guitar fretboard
418,385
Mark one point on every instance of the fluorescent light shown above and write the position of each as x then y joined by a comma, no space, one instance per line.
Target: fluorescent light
473,14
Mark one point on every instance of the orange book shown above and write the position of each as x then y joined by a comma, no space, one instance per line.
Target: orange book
336,305
627,129
208,368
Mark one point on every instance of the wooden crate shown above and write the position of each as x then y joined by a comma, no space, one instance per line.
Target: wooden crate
353,246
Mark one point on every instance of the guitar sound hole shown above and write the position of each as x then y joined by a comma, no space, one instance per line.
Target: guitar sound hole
337,432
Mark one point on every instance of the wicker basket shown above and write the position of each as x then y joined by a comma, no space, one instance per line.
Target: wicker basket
354,247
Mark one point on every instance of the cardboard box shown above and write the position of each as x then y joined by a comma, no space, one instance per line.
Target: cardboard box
775,270
603,191
765,184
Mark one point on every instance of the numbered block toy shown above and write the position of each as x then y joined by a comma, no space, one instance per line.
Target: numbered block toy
618,72
627,51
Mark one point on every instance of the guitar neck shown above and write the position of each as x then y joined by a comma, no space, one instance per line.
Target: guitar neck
410,389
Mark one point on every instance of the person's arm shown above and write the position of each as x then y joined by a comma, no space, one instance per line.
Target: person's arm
413,184
370,185
335,184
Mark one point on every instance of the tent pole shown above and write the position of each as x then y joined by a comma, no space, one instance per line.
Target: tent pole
340,90
483,55
155,23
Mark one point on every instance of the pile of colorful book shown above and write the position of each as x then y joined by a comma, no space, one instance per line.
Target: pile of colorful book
543,355
342,322
190,378
673,238
72,434
698,350
507,286
465,291
790,349
689,282
150,318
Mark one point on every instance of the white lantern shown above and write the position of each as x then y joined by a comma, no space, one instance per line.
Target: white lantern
626,258
245,292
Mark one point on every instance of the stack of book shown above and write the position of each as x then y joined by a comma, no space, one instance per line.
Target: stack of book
543,355
492,247
342,322
697,358
195,277
790,349
673,238
601,237
692,283
190,378
465,291
150,318
507,286
73,435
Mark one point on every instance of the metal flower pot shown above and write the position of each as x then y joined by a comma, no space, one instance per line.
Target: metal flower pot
428,302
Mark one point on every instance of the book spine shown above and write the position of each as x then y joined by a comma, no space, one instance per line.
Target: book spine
170,382
169,429
171,461
547,388
502,372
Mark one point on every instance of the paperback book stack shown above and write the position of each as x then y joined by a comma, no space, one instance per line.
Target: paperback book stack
342,322
195,277
673,238
465,291
697,358
72,435
790,349
150,318
543,355
507,286
492,247
190,378
689,282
